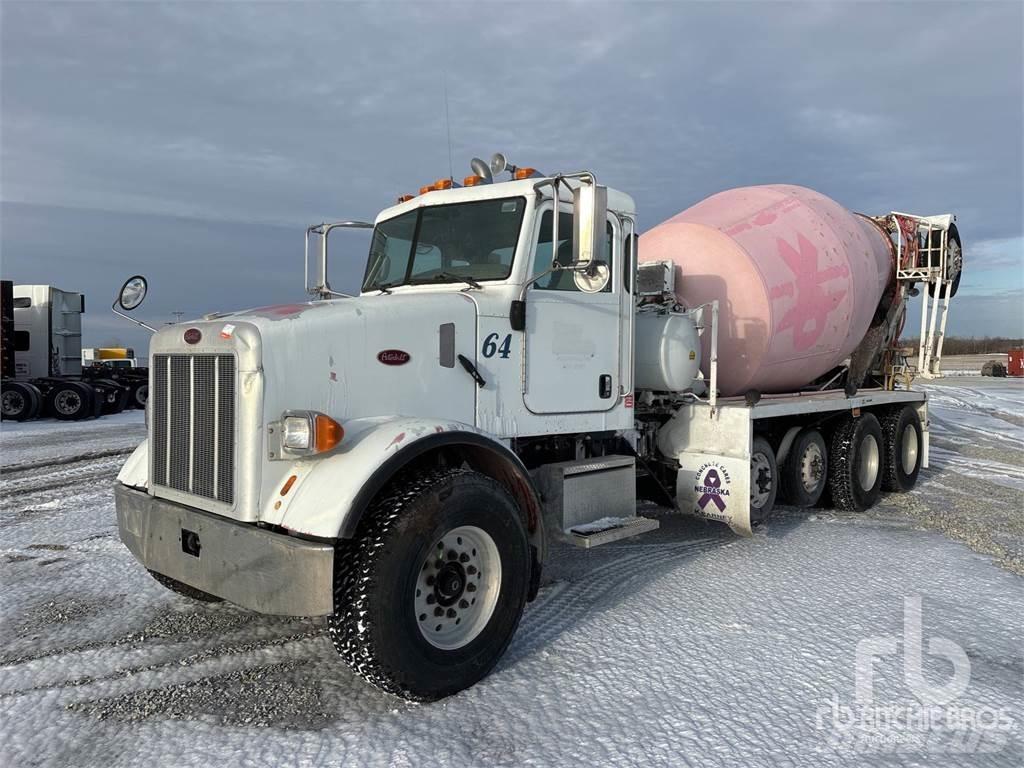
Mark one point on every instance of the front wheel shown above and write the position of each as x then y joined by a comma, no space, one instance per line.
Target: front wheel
429,593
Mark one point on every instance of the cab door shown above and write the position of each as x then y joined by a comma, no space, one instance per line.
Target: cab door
573,341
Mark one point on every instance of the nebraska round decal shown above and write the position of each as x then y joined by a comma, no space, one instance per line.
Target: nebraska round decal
394,357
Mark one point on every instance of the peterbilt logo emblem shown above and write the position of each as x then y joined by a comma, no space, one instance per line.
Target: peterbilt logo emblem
193,336
394,357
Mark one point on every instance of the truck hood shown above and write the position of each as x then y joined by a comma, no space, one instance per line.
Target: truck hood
368,356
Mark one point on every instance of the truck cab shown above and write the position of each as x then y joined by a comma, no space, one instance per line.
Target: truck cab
489,339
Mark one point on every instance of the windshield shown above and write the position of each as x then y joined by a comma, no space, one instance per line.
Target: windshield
445,243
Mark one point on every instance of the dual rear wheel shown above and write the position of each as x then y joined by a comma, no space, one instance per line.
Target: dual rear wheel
866,455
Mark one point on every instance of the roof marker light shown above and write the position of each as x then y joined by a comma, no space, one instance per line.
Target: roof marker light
525,173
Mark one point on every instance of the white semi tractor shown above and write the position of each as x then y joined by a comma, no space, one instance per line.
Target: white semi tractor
41,370
400,460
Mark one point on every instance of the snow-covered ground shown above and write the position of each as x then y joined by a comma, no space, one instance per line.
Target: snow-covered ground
686,646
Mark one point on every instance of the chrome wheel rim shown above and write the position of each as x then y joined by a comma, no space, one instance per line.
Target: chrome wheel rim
867,472
760,480
67,401
908,453
812,468
457,587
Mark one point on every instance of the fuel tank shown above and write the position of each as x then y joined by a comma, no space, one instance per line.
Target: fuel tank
797,276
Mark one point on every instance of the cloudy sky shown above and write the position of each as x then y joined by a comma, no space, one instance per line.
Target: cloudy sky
194,142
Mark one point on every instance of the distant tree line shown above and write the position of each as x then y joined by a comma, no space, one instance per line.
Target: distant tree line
961,345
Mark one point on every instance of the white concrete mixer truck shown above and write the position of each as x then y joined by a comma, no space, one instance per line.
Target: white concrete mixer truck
400,460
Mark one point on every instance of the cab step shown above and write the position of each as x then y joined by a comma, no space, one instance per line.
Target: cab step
610,529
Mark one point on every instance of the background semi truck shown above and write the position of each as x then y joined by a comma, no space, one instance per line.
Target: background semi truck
519,368
41,360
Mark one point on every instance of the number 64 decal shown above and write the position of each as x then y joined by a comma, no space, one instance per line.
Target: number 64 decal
492,347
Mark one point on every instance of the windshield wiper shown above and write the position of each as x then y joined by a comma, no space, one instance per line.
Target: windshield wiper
385,287
452,276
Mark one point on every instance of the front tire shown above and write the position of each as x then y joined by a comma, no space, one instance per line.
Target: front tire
429,593
855,474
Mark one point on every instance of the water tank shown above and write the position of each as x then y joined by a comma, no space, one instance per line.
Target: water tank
667,354
797,276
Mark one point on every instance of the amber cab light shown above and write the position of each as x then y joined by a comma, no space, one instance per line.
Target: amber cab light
443,184
426,188
524,173
472,181
404,198
328,433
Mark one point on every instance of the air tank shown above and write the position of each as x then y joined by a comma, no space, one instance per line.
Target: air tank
797,276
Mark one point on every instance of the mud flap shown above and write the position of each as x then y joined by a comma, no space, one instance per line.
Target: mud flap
715,488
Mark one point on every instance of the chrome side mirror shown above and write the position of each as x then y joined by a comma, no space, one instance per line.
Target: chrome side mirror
132,293
590,217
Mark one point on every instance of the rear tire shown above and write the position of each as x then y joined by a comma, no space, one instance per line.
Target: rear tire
855,474
19,401
805,471
904,442
139,395
71,401
115,396
184,589
388,577
764,480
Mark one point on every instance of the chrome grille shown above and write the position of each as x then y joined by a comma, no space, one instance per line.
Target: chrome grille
193,424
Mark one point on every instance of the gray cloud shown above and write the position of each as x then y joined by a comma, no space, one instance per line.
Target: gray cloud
196,141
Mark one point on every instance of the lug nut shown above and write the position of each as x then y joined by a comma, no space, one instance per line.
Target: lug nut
463,558
451,613
471,587
463,603
471,569
439,611
431,599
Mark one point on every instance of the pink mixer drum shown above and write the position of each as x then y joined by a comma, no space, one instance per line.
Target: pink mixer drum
797,276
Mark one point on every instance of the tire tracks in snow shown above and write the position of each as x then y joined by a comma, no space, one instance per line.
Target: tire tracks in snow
565,604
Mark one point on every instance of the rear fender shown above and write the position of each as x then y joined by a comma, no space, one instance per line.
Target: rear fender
331,493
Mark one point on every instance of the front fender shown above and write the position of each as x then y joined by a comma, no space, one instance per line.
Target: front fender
331,492
135,471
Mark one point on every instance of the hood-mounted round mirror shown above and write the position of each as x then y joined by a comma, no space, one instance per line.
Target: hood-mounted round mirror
132,293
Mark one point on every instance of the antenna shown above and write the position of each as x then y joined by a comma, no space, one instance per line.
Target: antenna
448,126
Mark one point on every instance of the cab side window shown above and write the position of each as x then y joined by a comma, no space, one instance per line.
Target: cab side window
562,280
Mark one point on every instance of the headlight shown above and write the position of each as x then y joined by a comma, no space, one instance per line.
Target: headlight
303,433
297,433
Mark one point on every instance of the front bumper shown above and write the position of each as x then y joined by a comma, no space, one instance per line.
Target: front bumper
252,567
